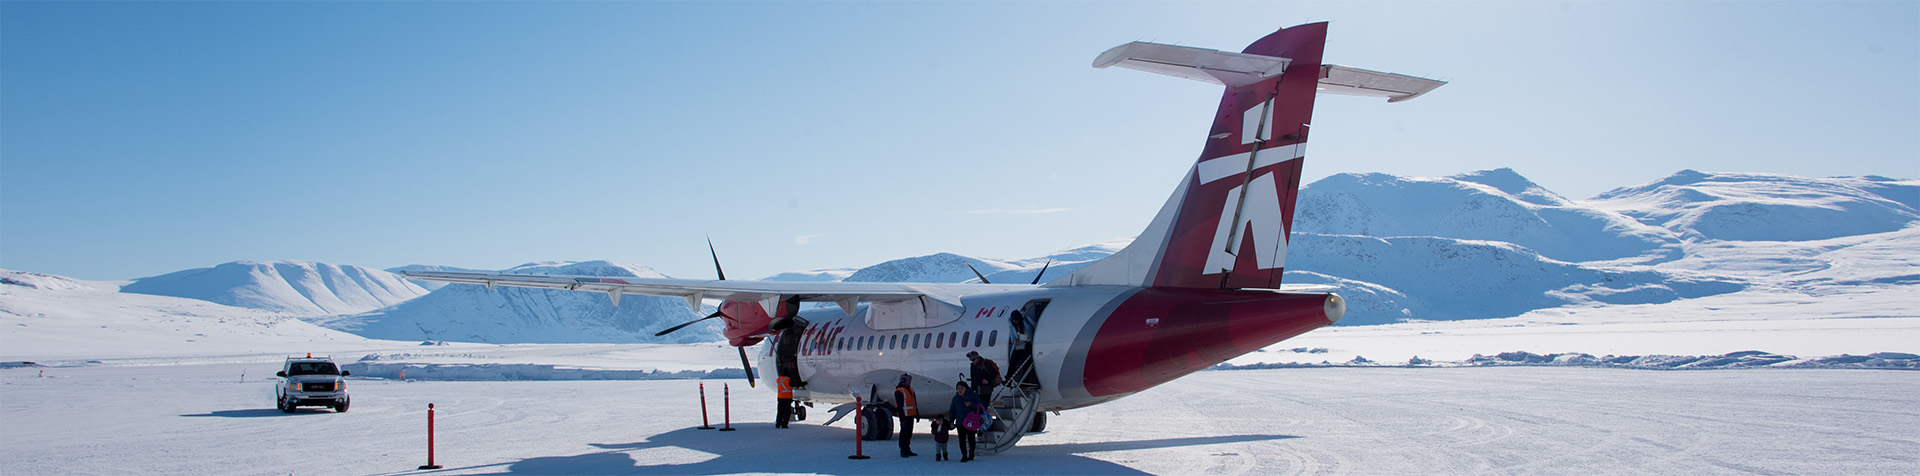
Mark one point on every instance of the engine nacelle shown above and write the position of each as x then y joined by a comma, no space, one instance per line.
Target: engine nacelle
748,322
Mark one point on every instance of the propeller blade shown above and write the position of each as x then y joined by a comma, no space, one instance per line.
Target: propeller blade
716,260
983,279
1043,272
688,323
745,366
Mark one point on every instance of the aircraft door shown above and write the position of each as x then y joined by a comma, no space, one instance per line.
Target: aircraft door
1023,323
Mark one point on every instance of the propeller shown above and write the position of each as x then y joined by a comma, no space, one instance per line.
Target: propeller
723,277
722,274
688,323
716,260
983,279
746,366
1043,272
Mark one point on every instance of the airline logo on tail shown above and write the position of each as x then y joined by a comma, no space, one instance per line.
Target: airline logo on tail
1226,225
1254,207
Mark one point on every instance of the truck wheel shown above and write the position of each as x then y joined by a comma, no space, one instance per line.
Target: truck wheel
286,406
341,408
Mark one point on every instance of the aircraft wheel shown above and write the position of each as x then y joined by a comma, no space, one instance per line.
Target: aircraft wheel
1039,423
878,424
799,413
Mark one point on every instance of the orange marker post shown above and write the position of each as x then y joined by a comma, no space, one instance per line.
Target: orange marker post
430,464
859,431
704,424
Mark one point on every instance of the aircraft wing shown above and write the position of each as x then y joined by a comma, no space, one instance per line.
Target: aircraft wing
767,293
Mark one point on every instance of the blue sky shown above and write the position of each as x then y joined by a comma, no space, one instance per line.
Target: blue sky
143,138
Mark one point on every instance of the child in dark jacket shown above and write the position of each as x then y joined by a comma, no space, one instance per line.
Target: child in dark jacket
940,427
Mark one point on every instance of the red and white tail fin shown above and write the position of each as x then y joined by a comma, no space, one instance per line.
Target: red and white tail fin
1227,224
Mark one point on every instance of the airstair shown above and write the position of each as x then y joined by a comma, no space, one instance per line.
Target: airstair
1014,406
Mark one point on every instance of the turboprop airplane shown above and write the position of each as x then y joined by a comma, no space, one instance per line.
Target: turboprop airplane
1201,285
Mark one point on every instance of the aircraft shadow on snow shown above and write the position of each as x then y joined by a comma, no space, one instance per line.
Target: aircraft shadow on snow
758,447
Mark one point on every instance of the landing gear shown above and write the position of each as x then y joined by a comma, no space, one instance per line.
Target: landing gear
799,412
1039,423
878,423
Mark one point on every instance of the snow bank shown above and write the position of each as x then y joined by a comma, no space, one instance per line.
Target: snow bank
1742,359
491,372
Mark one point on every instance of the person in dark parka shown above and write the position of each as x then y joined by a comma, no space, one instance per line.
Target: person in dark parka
964,402
985,373
786,348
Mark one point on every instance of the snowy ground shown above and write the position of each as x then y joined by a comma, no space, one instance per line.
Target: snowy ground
1748,320
202,419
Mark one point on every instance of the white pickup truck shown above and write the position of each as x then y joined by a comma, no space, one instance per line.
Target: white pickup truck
311,382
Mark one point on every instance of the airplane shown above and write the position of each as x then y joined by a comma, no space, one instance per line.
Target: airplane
1201,285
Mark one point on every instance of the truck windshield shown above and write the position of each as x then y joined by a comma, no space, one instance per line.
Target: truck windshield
313,368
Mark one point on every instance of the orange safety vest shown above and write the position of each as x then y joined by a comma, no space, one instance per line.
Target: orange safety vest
783,389
906,401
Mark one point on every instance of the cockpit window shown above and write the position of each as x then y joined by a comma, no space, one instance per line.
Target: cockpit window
313,368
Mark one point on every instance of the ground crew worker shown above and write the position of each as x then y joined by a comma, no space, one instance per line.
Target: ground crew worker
783,389
905,405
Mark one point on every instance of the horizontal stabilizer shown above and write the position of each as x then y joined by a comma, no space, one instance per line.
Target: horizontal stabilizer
1198,64
1336,79
1241,69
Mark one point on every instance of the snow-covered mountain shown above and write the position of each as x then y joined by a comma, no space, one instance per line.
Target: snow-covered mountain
814,275
952,268
302,288
934,268
1767,207
1492,244
55,318
1395,279
1488,244
1490,205
473,313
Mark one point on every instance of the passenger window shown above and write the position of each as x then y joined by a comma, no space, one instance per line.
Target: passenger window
916,341
977,335
991,338
893,342
950,337
937,341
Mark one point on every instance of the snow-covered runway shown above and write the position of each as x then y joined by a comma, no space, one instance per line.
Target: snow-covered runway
203,419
